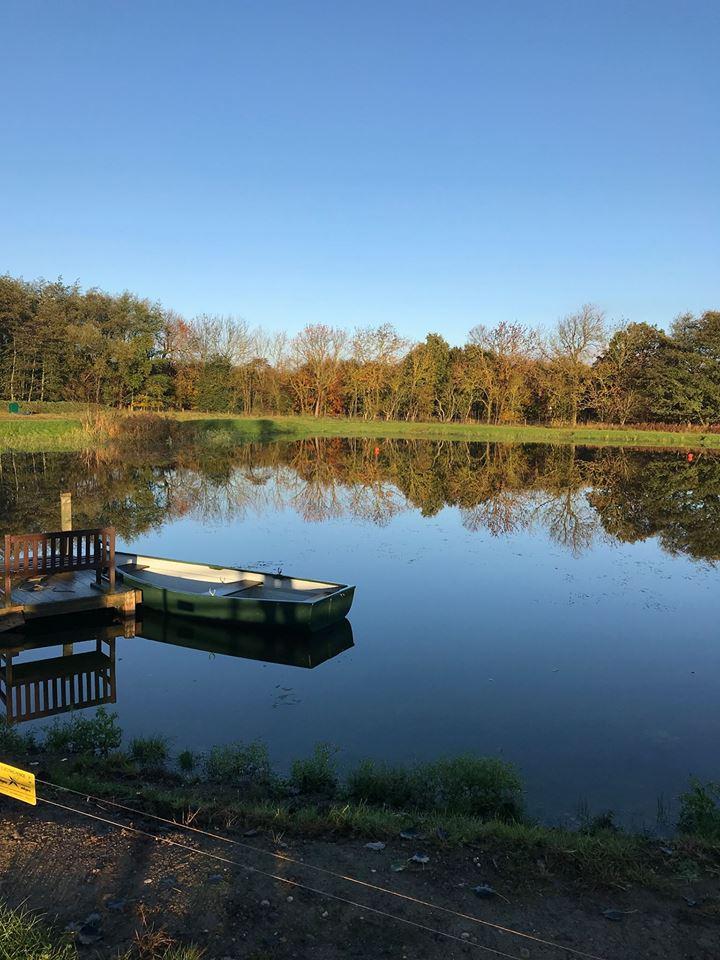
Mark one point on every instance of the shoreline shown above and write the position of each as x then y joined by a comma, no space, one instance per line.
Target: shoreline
51,432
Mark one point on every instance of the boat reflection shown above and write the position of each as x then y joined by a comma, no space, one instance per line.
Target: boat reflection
290,647
82,673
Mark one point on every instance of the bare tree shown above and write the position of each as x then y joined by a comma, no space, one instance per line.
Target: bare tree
505,352
316,353
577,341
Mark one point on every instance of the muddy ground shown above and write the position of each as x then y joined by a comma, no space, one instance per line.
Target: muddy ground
72,868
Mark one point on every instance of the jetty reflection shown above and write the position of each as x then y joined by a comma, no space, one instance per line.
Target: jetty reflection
33,688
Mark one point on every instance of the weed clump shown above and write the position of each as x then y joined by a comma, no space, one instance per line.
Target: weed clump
96,735
187,760
482,787
149,751
700,810
317,773
12,741
240,765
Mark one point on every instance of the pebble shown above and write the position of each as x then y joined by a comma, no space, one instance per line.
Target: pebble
290,899
465,936
264,903
324,915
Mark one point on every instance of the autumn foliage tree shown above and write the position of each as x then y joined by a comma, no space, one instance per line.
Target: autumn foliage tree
60,343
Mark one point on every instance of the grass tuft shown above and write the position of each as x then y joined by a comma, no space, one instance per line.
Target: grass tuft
472,786
24,936
149,751
316,774
188,760
240,765
700,810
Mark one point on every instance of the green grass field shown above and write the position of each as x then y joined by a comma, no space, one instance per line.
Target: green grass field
44,432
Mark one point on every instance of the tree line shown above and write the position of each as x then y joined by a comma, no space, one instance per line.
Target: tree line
61,343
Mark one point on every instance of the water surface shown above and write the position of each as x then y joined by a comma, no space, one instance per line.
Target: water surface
553,606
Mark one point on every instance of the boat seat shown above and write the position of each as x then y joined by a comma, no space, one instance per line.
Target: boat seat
186,585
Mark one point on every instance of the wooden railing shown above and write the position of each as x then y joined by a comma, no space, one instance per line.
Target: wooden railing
33,554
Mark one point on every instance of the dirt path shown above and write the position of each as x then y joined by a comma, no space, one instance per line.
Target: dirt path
72,868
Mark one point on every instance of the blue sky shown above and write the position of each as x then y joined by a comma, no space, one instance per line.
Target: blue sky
432,164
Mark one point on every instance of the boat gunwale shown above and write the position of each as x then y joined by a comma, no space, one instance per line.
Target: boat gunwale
339,587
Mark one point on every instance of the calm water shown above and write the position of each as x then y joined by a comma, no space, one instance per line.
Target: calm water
557,607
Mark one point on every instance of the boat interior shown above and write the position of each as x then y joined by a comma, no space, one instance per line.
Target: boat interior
221,582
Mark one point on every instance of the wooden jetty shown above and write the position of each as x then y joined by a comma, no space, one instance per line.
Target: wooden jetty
58,573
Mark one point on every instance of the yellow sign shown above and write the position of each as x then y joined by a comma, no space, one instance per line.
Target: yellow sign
18,784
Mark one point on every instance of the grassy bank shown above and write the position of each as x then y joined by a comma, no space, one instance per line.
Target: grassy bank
447,803
45,434
67,432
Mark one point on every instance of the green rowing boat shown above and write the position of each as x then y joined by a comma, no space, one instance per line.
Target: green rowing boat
207,592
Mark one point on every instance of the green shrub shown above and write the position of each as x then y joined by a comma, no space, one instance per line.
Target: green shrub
317,773
240,764
474,786
149,751
700,810
13,742
95,735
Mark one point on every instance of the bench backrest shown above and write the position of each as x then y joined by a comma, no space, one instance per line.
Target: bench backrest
30,554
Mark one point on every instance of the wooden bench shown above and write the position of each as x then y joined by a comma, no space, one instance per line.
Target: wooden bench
30,555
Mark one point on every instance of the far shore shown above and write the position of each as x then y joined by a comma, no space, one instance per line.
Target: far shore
48,432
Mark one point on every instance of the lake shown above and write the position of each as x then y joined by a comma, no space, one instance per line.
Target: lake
554,606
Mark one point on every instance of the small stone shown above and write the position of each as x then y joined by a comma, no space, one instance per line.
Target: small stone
465,936
290,899
265,903
324,915
215,878
375,845
615,915
484,891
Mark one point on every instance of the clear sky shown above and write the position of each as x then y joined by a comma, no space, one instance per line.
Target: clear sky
433,164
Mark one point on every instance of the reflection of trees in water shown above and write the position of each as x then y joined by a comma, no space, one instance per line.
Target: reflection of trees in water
572,493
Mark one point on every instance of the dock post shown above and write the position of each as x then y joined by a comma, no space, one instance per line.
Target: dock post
66,511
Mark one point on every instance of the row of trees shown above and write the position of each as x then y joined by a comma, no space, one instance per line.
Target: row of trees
58,342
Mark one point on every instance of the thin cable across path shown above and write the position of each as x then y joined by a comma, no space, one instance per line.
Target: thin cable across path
308,866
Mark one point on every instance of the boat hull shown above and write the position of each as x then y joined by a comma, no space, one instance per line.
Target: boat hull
289,614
